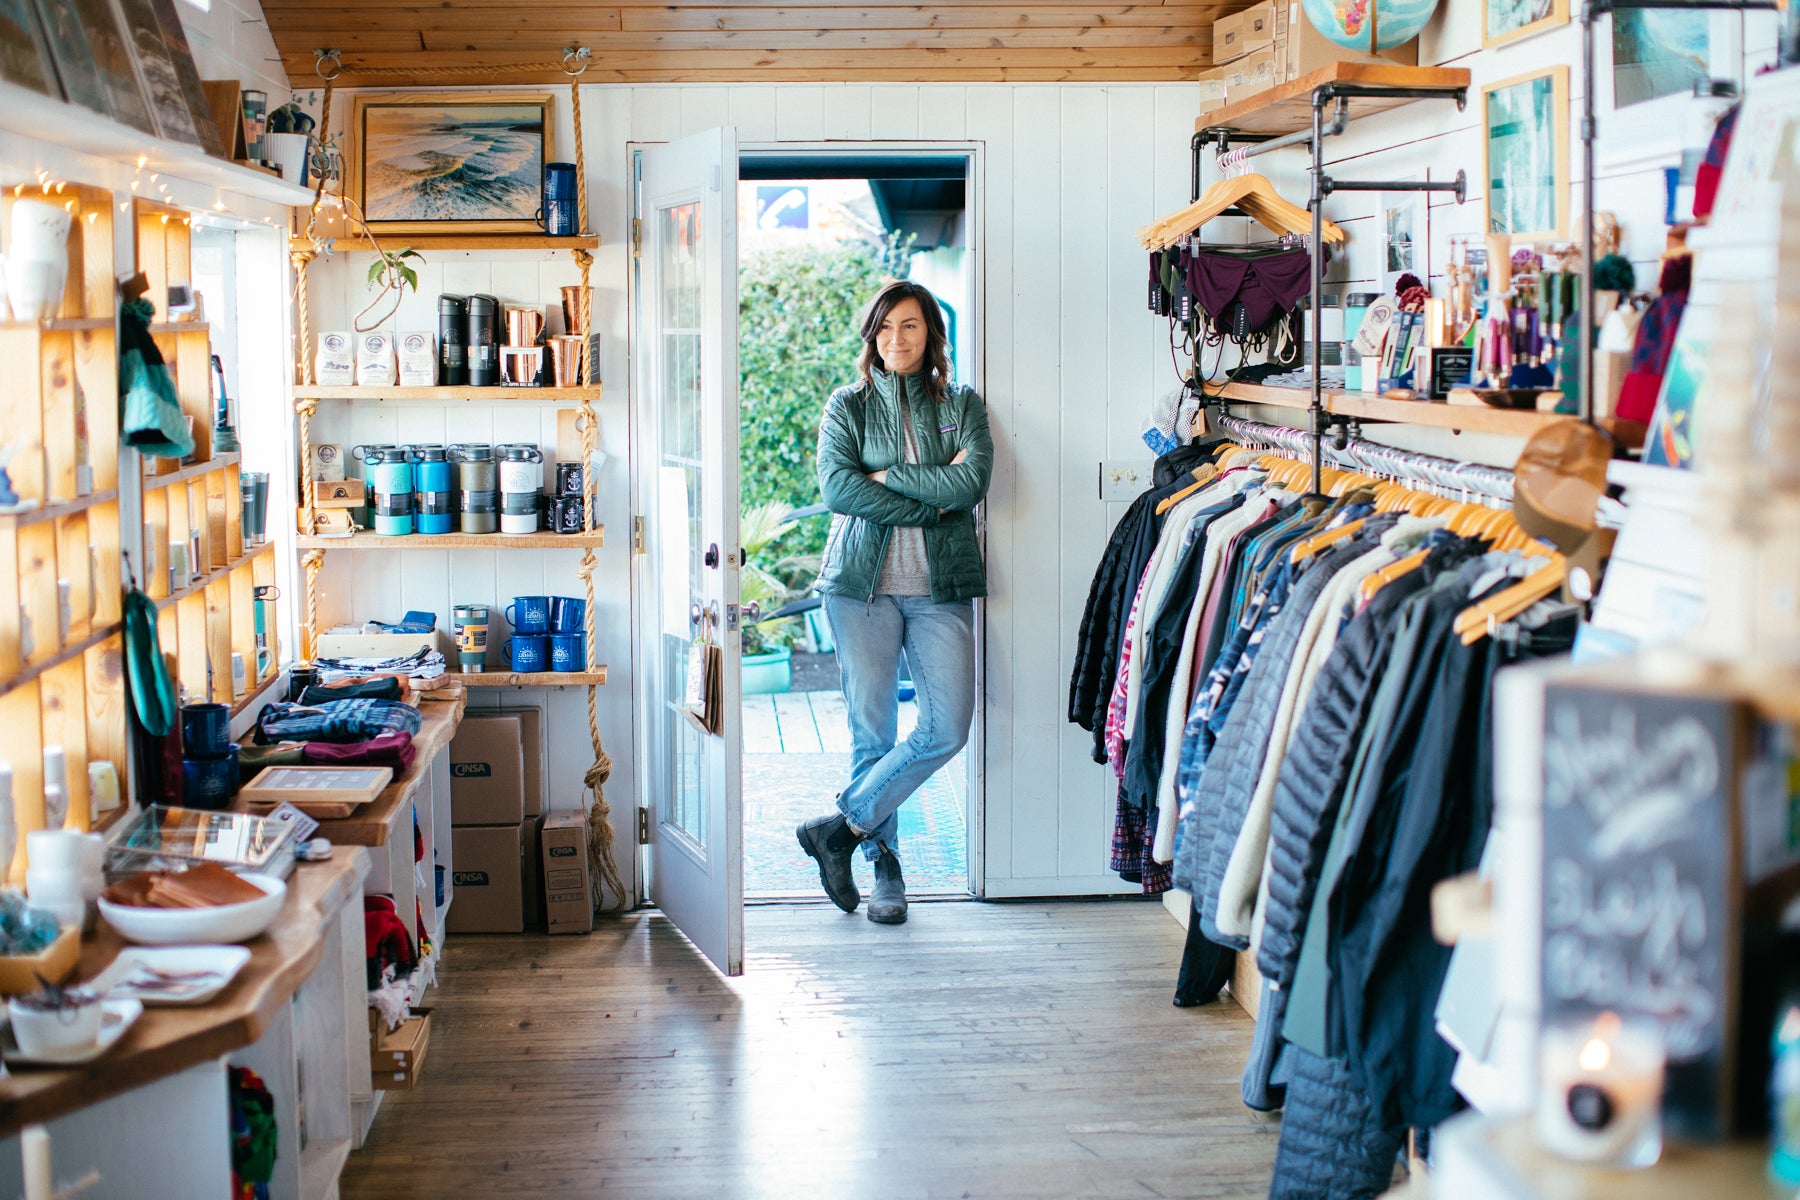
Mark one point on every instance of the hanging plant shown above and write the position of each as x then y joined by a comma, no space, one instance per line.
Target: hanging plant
390,271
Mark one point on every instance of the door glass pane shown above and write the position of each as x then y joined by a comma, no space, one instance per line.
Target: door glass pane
679,270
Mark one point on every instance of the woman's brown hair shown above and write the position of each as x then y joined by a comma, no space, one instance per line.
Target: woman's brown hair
937,338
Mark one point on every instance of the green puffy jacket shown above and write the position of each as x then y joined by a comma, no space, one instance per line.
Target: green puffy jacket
859,435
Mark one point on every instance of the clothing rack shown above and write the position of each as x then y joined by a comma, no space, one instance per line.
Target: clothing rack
1427,472
1336,95
1591,11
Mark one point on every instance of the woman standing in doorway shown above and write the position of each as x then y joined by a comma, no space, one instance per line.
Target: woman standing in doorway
904,458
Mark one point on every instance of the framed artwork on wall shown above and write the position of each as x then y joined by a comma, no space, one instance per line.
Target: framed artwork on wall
156,72
1525,154
1659,52
1504,21
112,60
187,76
73,54
463,162
24,60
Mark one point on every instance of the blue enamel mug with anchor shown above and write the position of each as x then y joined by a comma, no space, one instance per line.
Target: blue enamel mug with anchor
529,652
529,614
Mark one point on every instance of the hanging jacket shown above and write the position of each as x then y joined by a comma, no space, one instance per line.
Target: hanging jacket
861,434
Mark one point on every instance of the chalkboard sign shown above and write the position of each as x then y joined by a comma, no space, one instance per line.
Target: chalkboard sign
1639,893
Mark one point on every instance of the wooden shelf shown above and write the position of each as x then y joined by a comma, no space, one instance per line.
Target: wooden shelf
34,670
60,325
447,393
494,679
1288,107
165,1041
211,577
455,541
40,118
157,327
460,241
257,692
374,821
57,511
1462,418
217,462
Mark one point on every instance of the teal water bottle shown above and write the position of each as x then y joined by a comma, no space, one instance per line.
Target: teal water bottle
393,493
434,499
366,458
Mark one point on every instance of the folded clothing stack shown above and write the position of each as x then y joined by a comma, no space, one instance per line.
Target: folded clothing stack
425,663
336,721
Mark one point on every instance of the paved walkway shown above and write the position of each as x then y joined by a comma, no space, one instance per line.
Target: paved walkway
796,759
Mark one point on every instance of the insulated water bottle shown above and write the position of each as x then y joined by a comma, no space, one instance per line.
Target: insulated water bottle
367,456
394,493
453,340
484,341
434,498
477,485
520,474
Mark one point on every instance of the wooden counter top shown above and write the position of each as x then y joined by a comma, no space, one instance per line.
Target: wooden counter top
169,1040
373,824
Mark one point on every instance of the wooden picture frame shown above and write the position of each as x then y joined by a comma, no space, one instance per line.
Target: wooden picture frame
1525,130
111,48
156,73
24,58
1504,21
325,793
71,51
396,180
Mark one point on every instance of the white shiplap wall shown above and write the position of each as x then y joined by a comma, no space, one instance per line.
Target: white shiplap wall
1070,360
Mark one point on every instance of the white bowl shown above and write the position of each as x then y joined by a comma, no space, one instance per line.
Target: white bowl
43,1032
198,926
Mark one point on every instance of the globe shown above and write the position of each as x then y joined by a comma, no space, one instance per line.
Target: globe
1350,22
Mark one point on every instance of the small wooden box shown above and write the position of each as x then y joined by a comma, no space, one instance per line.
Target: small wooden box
337,493
324,793
399,1054
18,973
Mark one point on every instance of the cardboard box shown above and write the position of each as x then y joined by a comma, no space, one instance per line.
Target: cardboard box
1254,73
339,644
399,1054
532,871
568,902
1303,49
1212,89
487,772
488,877
531,742
1246,32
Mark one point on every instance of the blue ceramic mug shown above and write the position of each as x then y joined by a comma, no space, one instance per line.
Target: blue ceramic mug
208,782
568,615
529,614
566,652
528,653
205,731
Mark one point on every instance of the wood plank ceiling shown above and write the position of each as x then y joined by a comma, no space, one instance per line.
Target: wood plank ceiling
754,40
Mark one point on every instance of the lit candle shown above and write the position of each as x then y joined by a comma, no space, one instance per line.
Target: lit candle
1600,1095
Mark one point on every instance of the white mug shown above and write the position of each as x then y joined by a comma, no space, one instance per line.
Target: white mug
34,286
27,643
56,852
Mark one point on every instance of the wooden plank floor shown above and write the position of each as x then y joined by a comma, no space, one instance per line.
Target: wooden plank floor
992,1051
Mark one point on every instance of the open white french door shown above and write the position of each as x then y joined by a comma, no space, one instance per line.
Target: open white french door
687,493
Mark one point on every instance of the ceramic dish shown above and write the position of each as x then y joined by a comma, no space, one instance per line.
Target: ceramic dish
170,975
194,926
116,1016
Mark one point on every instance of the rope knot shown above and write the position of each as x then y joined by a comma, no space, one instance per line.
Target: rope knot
583,258
306,408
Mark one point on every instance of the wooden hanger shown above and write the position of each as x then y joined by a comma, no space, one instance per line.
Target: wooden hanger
1203,475
1306,549
1254,194
1478,620
1386,575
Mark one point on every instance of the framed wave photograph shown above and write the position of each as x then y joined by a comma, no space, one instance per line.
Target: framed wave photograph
1525,123
450,162
1506,20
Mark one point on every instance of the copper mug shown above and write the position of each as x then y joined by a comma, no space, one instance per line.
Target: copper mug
565,360
571,306
520,366
524,326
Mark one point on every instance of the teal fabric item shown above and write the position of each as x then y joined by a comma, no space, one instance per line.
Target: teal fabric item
861,434
152,421
152,691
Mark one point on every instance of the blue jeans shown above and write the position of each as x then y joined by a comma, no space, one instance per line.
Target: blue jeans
940,647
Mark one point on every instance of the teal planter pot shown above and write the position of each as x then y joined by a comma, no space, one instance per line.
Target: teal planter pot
768,674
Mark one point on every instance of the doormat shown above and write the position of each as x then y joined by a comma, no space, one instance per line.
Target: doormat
782,790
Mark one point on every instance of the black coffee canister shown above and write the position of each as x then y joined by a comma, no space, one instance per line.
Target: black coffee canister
568,479
484,341
453,340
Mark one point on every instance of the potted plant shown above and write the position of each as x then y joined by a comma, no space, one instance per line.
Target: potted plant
768,644
55,1020
394,276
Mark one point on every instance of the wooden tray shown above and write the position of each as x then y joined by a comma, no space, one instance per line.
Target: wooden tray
324,793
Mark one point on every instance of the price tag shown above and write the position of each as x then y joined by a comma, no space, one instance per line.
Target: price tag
303,825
